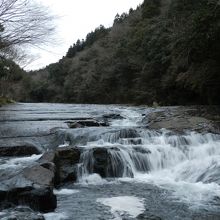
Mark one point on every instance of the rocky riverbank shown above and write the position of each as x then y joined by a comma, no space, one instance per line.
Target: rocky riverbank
181,119
4,101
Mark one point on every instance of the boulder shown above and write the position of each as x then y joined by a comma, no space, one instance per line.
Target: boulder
62,163
39,175
33,187
68,158
101,161
87,123
107,162
23,149
41,199
48,157
113,116
49,160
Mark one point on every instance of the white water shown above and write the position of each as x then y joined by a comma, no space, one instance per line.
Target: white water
65,192
124,205
92,179
19,162
188,165
55,216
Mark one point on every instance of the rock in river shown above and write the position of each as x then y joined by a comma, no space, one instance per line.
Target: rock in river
62,162
21,213
33,187
68,158
113,116
21,149
87,123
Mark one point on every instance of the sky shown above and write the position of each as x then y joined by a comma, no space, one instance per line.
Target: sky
75,19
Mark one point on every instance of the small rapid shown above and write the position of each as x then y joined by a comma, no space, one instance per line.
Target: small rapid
189,161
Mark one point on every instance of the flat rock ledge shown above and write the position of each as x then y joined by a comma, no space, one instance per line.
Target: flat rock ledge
203,119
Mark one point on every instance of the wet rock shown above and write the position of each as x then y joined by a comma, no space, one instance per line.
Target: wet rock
134,141
206,217
142,150
62,163
68,157
101,159
41,199
181,119
126,134
24,149
148,216
21,213
107,163
87,123
50,161
48,157
113,116
39,175
33,187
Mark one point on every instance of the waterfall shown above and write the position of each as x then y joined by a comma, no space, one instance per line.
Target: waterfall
126,153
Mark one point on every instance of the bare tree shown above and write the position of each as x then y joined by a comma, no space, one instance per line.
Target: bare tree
23,22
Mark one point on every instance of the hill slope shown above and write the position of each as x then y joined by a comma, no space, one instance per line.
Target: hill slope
165,51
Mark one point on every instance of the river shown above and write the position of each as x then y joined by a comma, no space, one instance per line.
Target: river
159,174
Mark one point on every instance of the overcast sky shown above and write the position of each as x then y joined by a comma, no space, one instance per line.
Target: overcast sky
76,19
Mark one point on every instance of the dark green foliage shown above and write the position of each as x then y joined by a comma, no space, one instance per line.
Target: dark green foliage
13,80
120,18
151,8
92,37
77,47
164,51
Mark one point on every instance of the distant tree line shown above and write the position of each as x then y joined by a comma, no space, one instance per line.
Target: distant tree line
91,37
165,51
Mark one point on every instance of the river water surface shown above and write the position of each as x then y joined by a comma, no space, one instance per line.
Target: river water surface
160,175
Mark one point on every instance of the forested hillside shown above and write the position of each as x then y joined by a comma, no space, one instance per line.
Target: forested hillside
165,51
14,81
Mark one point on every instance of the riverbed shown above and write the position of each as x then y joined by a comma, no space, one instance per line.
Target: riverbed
154,173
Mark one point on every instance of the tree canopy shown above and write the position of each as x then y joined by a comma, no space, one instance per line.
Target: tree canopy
23,22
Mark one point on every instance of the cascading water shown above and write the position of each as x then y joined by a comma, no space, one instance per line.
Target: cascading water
132,151
160,157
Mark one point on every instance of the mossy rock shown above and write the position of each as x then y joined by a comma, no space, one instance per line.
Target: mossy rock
5,101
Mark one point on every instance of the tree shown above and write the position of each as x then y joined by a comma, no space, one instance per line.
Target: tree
23,22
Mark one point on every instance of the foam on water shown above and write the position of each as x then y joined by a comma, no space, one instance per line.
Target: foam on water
92,179
65,144
65,192
55,216
131,116
124,205
18,162
2,213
